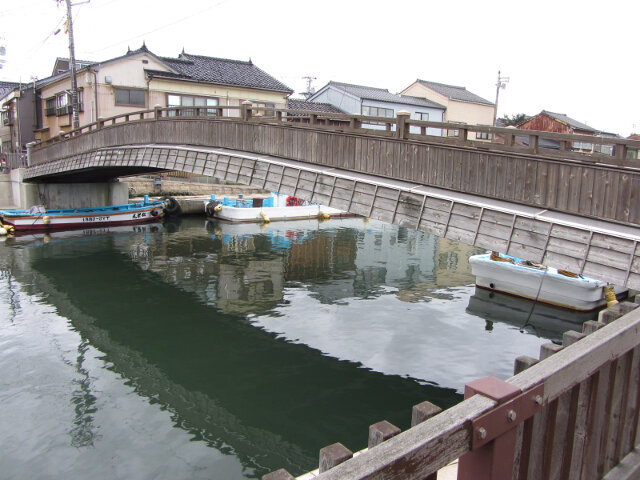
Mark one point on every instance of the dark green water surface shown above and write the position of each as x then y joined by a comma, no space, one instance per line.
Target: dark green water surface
220,351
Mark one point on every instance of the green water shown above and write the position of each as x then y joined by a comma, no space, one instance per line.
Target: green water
202,350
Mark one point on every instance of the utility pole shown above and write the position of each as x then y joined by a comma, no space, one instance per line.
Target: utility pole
500,84
72,68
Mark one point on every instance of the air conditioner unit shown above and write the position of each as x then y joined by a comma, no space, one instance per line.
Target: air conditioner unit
108,80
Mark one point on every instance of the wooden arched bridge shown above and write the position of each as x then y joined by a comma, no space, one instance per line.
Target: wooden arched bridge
551,205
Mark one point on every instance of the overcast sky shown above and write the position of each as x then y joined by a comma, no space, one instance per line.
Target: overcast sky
580,58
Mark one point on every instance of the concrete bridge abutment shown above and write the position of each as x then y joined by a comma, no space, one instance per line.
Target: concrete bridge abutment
14,193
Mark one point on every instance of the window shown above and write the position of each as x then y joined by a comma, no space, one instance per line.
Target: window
482,136
422,116
377,111
6,117
260,109
192,101
584,146
50,106
127,96
63,101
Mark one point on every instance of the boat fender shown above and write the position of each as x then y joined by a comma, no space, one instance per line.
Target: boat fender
3,231
265,218
610,296
46,220
171,206
324,216
495,256
155,213
213,207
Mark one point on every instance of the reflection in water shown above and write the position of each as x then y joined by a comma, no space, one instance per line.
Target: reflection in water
83,432
536,318
269,342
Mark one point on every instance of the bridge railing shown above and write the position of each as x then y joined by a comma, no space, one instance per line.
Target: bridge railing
572,414
608,150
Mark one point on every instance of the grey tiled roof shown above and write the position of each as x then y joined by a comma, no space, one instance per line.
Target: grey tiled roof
569,121
6,87
198,68
383,95
220,71
299,104
455,93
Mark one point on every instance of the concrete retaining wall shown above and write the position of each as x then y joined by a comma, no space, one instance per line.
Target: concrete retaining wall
16,194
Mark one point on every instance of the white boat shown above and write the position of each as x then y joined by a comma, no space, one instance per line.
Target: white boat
521,278
274,208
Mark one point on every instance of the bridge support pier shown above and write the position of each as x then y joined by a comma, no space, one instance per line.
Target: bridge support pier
18,194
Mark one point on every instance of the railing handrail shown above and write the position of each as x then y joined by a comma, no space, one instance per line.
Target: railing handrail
443,438
353,124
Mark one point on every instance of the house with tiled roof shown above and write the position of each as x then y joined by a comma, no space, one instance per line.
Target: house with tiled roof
462,106
140,80
547,121
305,106
378,102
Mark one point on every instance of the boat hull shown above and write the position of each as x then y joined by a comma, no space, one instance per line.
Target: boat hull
258,214
130,214
546,286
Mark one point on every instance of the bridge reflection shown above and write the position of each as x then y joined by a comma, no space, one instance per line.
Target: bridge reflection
244,390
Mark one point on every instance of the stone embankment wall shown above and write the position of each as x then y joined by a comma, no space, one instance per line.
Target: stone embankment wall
146,186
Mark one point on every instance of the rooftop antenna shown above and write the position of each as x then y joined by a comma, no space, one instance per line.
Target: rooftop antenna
310,90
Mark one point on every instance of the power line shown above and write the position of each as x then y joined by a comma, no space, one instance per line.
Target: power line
142,35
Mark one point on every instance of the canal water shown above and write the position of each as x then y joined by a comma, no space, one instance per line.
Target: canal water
195,349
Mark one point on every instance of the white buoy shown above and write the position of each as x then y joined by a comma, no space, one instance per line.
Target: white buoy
3,231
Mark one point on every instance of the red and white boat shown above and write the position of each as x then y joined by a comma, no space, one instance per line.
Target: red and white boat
41,218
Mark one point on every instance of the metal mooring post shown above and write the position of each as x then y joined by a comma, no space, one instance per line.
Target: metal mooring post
493,435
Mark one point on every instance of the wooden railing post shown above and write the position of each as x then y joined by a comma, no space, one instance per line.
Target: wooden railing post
620,151
246,111
494,434
281,474
402,129
463,133
333,455
157,112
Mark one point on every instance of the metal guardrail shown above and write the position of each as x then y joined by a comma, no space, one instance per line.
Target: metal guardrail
12,161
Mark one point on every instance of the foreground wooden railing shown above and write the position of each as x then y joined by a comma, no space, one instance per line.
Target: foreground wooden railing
623,152
573,414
